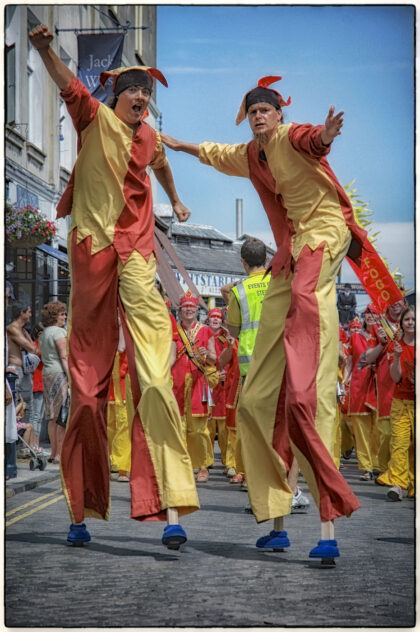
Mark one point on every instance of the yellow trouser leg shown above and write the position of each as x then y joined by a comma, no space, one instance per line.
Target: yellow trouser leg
375,443
212,430
150,329
346,433
384,430
222,437
230,447
362,429
121,445
110,428
198,440
401,464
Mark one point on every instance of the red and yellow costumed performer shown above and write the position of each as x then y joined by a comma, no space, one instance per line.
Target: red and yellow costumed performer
289,397
217,414
400,470
190,384
361,408
112,263
386,331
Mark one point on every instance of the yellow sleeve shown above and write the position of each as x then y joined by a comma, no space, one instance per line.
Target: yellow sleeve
229,159
159,159
234,317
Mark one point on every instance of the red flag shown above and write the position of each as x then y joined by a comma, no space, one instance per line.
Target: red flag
376,278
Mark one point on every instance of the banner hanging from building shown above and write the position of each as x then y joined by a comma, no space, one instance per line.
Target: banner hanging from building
98,53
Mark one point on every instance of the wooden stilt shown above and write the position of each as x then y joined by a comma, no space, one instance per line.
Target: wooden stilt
278,523
172,515
327,530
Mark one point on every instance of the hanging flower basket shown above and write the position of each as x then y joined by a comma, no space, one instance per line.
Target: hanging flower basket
27,227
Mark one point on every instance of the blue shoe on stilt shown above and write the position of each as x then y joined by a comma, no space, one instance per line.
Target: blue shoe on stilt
78,534
274,540
173,536
326,549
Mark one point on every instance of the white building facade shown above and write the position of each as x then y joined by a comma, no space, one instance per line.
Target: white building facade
40,141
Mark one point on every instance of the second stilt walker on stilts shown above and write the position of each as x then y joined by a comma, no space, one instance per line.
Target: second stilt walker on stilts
288,405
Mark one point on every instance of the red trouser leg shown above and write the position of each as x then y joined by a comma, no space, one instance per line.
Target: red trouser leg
93,340
305,390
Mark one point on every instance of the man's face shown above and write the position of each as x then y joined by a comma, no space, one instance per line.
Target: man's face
395,310
26,315
264,119
215,322
188,312
131,105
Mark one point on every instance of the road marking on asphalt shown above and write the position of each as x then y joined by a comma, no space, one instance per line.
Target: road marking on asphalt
29,513
32,502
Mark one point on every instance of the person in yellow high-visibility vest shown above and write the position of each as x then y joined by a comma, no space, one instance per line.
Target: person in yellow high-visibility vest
244,311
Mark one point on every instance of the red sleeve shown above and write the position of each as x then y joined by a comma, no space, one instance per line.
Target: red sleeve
82,106
306,139
175,334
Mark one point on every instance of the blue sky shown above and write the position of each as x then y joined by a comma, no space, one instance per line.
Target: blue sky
358,58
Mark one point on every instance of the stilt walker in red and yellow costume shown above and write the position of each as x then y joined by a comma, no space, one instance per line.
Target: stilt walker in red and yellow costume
288,405
112,263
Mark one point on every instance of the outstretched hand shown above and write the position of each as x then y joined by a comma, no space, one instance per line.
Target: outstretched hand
333,125
41,37
181,211
169,141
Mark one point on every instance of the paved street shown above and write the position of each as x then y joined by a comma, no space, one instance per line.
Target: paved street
126,578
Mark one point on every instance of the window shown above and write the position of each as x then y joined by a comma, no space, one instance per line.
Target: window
10,84
65,127
35,102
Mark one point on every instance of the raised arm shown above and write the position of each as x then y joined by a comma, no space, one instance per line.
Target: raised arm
332,126
40,38
395,368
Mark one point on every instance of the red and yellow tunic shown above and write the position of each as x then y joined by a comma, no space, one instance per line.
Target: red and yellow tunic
109,193
219,391
233,388
384,382
362,394
309,205
198,335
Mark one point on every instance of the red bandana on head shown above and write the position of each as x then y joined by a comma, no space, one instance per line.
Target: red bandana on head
215,312
116,72
372,309
188,299
355,325
264,82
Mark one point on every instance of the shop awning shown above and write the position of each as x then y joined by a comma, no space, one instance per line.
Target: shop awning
53,252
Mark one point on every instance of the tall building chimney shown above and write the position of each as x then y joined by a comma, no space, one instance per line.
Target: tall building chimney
239,218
